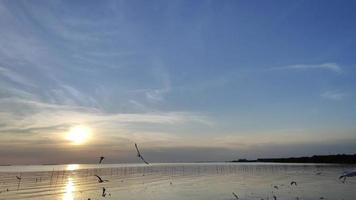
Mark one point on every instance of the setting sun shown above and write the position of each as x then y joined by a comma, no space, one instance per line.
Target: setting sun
78,134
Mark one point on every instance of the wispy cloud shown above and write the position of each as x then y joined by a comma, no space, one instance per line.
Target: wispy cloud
334,95
39,114
46,120
15,77
324,66
163,78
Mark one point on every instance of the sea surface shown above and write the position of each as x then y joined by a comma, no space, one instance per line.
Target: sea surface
183,181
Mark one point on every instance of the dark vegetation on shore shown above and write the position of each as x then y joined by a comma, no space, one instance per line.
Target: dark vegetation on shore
336,159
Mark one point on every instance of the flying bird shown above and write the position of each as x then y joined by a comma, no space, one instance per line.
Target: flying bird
18,178
347,174
100,180
235,195
104,192
139,155
293,182
101,159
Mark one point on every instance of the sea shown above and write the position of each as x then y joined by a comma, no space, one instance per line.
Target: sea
178,181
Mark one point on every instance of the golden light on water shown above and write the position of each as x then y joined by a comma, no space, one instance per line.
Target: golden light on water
69,190
72,167
78,134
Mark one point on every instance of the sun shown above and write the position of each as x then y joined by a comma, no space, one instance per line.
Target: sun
78,134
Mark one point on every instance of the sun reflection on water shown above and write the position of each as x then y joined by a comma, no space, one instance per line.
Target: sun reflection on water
69,190
72,167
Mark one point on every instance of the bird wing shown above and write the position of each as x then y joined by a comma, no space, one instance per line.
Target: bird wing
235,195
103,194
139,155
98,177
138,151
144,160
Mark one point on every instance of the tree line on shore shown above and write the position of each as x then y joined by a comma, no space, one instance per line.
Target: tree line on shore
336,159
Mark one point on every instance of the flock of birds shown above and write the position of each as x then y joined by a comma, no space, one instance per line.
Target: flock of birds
100,180
104,193
342,177
139,155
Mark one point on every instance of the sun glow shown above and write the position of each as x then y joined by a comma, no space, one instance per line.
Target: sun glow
72,167
78,134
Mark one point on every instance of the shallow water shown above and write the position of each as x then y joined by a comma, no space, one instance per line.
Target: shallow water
183,181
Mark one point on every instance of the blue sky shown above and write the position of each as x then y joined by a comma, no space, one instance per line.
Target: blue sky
200,80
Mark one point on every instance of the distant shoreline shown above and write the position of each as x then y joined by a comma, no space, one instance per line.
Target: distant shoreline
317,159
325,159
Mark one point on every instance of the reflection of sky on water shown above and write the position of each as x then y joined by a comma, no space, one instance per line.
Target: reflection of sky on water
69,190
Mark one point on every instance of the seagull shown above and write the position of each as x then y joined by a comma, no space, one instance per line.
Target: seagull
100,180
235,195
101,159
293,182
139,155
347,174
104,193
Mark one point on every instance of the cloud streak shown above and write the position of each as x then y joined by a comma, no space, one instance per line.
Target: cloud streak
333,67
35,114
333,95
15,77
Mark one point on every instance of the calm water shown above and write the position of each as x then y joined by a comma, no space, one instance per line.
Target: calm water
177,181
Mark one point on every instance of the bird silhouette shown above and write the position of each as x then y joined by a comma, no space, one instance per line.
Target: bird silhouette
235,195
139,155
104,192
100,180
293,182
18,178
101,159
347,174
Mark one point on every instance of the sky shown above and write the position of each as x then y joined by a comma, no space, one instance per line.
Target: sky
186,80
